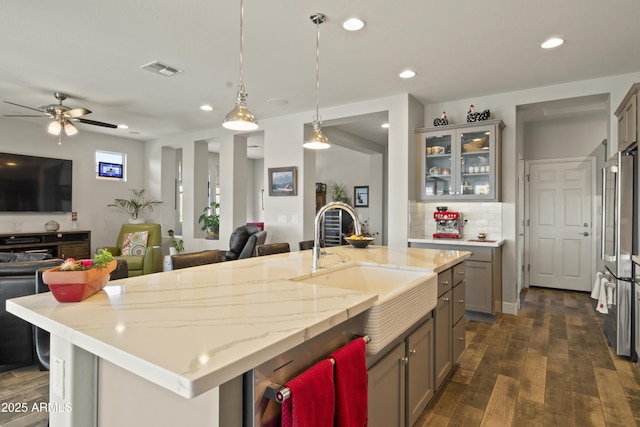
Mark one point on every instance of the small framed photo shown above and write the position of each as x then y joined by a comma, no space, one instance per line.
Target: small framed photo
283,181
361,196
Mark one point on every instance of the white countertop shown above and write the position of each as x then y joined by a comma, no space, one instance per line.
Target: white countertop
193,329
460,242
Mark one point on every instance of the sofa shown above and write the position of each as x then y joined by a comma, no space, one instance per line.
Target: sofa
17,279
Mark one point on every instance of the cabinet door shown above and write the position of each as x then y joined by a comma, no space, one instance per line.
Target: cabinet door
627,124
437,165
443,350
459,340
477,148
420,370
478,286
445,280
459,305
387,390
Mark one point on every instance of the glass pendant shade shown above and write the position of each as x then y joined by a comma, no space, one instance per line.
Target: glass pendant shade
317,140
69,128
54,128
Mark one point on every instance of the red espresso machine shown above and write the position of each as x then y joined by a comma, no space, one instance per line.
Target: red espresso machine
448,224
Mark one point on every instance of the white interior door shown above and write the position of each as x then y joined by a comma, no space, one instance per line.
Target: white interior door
561,224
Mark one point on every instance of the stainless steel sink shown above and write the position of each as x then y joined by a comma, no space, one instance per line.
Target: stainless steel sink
404,296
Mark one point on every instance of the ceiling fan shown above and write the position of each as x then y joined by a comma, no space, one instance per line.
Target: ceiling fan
63,116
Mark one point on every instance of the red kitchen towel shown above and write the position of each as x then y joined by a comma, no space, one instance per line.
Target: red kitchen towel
312,401
351,384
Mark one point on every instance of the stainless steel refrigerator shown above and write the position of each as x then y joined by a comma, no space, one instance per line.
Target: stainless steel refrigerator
618,178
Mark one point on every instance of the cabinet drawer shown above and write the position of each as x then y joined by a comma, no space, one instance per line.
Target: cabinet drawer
444,281
480,254
458,273
75,250
459,339
458,302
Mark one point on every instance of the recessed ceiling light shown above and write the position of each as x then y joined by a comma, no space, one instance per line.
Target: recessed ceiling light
353,24
385,125
407,74
206,107
123,126
551,43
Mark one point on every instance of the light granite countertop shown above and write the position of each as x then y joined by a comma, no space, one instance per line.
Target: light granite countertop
193,329
460,242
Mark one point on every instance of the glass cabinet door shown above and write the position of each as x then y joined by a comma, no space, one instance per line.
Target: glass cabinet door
438,165
476,163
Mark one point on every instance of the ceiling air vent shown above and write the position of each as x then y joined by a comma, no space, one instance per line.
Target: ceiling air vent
157,67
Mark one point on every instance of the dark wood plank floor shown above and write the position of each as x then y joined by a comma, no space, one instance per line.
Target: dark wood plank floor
547,366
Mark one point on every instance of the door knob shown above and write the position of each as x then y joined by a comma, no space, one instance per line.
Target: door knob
585,234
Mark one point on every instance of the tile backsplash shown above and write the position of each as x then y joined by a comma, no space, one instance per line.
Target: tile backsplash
480,216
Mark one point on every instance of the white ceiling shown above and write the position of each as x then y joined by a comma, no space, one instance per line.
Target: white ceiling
92,50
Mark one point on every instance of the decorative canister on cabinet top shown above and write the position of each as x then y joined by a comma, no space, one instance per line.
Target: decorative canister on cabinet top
51,226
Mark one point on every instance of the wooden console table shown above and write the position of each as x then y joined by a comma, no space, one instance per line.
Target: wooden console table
60,244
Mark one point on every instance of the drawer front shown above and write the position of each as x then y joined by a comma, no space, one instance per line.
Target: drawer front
75,250
459,340
480,254
458,302
444,281
458,273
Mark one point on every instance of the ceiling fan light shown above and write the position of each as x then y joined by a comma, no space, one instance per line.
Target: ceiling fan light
54,128
317,140
70,129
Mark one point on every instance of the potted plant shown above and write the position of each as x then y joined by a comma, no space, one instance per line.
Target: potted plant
177,246
76,280
339,193
210,220
135,205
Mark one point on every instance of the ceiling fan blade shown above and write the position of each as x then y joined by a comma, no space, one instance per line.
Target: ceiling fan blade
93,122
77,112
23,106
24,115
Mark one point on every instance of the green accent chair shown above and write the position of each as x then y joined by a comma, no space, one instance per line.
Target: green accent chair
151,262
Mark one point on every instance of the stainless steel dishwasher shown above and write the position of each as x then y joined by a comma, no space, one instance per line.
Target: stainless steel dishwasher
277,371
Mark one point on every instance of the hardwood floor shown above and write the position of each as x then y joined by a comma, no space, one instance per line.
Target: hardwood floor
20,390
547,366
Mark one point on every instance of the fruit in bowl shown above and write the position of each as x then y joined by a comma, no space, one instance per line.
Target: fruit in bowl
360,242
482,236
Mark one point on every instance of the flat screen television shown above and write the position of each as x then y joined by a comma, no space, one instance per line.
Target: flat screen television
109,170
34,184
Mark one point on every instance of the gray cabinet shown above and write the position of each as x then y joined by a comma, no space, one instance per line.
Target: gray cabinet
460,162
387,390
628,117
443,356
420,387
401,384
636,308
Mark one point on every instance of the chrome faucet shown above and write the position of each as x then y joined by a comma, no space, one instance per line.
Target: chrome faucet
316,232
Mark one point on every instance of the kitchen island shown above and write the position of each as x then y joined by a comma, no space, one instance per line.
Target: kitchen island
175,338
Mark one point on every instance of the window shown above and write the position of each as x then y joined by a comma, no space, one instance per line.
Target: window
111,166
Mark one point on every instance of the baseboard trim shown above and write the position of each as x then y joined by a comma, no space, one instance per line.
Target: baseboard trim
510,308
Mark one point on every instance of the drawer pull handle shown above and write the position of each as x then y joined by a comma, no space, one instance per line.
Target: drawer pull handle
404,360
445,282
412,352
461,273
461,301
460,338
445,299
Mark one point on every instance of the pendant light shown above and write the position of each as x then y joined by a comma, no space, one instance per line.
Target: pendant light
240,118
317,140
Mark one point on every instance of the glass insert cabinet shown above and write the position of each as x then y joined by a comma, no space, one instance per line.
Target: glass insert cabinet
460,162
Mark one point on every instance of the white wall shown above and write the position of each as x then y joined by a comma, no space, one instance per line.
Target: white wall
90,195
503,106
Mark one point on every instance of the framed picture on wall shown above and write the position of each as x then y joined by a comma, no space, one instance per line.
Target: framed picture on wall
361,196
283,181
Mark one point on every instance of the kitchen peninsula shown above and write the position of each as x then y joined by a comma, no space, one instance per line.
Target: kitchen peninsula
181,338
